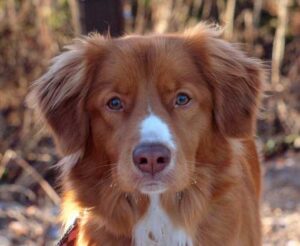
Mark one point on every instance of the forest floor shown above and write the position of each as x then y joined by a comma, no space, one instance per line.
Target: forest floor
23,224
281,201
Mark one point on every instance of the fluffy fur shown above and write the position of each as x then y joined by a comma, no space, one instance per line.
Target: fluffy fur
211,191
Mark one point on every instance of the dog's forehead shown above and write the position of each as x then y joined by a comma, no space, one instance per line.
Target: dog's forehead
147,53
157,60
148,44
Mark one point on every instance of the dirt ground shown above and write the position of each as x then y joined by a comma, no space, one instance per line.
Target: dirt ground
23,224
281,201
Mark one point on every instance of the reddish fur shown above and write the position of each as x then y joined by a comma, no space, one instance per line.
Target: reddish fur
217,175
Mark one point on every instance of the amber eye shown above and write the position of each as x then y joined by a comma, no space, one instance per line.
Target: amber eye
182,99
115,104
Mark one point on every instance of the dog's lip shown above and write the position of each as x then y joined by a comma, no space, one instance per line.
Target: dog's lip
151,180
152,183
152,186
147,178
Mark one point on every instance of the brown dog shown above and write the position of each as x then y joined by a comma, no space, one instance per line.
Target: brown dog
157,133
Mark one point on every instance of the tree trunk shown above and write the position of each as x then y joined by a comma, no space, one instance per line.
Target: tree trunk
104,16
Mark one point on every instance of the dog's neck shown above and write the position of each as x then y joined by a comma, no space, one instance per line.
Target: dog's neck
156,228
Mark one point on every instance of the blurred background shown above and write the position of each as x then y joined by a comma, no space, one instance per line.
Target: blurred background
33,31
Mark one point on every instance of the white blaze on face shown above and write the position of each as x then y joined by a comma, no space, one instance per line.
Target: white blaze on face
154,130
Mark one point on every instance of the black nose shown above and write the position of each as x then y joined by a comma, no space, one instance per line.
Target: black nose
151,158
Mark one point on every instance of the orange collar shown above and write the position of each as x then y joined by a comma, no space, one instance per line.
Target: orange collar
69,238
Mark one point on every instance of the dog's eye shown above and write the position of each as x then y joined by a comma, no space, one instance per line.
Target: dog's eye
115,104
182,99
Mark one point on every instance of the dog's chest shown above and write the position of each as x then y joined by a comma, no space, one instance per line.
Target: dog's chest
157,229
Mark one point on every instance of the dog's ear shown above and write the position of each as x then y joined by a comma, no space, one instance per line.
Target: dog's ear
235,80
60,93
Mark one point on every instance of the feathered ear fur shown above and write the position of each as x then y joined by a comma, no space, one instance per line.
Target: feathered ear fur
235,79
60,93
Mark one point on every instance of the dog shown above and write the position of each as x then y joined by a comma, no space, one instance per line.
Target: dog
157,134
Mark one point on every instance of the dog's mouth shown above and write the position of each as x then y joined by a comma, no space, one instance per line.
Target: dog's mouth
152,186
158,183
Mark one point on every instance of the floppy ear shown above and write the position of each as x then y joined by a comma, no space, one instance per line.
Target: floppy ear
235,79
60,93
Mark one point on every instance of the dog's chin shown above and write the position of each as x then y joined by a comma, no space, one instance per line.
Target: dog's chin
153,187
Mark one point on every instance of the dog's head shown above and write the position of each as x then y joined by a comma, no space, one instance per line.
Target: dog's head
146,114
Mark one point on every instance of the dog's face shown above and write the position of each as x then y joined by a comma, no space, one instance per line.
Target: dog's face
148,114
148,108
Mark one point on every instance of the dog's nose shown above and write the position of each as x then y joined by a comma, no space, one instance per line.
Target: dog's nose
151,158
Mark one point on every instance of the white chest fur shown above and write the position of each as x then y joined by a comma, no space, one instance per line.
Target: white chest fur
156,229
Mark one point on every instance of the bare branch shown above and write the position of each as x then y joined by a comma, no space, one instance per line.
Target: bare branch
279,43
12,155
